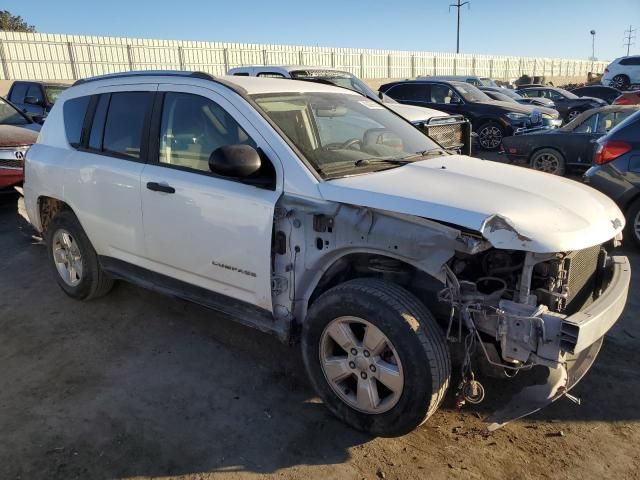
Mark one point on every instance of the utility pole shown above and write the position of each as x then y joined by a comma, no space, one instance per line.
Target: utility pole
629,37
458,5
593,48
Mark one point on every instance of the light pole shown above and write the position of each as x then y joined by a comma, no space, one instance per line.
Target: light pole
593,48
458,5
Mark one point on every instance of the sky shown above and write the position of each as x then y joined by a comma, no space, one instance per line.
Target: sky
545,28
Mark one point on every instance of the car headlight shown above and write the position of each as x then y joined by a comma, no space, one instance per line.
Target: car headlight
516,116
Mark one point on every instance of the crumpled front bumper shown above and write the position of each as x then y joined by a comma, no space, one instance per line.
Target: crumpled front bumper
569,347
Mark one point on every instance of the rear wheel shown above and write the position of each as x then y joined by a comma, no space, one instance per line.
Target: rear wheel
620,81
490,135
376,356
548,160
73,260
632,230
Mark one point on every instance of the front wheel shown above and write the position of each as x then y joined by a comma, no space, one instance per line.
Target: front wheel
490,135
571,115
376,356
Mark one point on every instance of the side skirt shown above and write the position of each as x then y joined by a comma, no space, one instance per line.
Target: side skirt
240,311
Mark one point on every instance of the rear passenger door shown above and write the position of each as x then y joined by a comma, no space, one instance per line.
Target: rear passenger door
206,230
105,169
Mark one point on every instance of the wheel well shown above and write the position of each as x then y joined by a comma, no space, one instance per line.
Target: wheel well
48,208
546,148
362,265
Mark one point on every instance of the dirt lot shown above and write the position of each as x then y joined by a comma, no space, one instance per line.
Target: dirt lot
137,385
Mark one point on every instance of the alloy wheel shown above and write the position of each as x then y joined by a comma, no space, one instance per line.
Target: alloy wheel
636,226
361,365
546,162
573,114
490,137
67,257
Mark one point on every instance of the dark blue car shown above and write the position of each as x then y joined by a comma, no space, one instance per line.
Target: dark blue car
616,172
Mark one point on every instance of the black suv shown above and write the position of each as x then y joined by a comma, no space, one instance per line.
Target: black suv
35,98
568,104
492,120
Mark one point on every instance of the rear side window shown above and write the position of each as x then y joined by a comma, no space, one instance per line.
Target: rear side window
125,122
408,91
18,92
74,111
630,61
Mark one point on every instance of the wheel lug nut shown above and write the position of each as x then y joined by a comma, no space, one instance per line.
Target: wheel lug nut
354,351
366,353
352,365
372,368
363,375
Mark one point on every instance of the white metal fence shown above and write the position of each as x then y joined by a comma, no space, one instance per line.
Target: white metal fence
47,56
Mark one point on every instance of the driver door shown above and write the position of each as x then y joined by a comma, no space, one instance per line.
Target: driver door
206,230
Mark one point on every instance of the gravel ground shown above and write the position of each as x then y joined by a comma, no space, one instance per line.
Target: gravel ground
138,385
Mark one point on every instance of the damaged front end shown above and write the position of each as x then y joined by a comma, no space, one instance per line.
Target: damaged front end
514,310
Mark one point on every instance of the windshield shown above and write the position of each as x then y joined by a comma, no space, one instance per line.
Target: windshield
339,133
10,116
53,92
336,77
471,93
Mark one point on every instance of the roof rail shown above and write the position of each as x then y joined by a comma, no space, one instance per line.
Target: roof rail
146,73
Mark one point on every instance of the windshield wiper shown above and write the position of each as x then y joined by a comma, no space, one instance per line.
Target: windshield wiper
364,162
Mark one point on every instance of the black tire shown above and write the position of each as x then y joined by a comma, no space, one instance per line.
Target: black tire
416,337
571,115
548,160
620,81
632,228
94,282
490,135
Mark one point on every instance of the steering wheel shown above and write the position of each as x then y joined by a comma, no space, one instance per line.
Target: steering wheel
344,145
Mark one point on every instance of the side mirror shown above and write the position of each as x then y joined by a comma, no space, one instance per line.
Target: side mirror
237,161
455,101
32,101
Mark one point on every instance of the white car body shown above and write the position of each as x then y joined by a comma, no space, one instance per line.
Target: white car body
220,236
411,112
622,66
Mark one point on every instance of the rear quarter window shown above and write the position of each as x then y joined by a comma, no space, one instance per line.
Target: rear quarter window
74,111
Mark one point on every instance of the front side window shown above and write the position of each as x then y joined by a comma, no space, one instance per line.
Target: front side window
529,93
342,133
74,111
607,121
192,128
10,116
442,94
125,123
36,92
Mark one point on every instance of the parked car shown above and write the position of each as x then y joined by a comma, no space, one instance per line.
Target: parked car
608,94
14,143
35,98
628,98
568,104
622,73
616,172
569,147
10,115
453,133
500,93
348,249
490,119
472,79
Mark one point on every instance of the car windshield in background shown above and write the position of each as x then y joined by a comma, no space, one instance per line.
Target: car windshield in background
338,133
53,92
340,79
10,116
471,93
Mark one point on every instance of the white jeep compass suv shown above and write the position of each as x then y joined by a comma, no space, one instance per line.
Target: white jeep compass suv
314,213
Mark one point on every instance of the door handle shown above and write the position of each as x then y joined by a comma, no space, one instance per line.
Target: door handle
159,187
